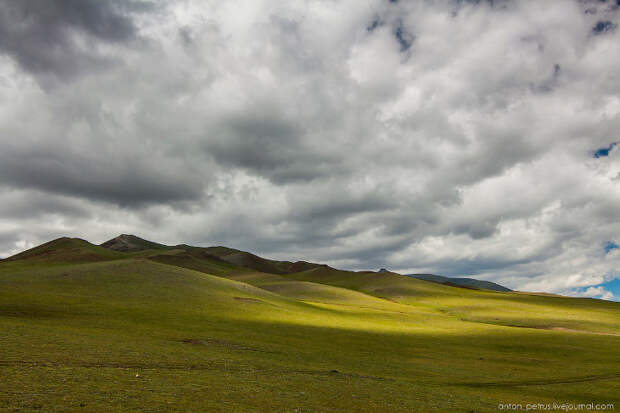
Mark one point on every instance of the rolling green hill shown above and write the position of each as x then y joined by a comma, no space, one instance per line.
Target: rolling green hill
87,328
66,250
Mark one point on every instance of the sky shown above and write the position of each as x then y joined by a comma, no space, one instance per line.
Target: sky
462,138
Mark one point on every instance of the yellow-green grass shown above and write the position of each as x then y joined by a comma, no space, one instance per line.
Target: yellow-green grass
65,250
74,336
511,309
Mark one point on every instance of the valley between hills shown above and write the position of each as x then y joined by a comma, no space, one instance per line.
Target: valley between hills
133,325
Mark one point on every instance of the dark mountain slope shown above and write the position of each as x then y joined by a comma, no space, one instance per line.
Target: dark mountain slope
199,260
461,282
131,243
211,259
248,260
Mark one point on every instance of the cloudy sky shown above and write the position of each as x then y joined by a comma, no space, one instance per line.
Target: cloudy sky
472,138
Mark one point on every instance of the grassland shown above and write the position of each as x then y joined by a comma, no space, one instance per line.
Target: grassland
84,328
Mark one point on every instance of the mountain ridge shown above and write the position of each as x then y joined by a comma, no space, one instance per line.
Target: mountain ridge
217,260
462,282
131,243
65,249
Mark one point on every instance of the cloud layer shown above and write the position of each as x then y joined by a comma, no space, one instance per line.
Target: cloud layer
456,137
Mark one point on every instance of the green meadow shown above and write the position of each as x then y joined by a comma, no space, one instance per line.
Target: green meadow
85,328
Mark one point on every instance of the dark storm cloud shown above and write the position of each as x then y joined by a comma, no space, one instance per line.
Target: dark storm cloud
33,205
475,267
371,257
59,37
7,238
335,204
477,230
270,147
118,179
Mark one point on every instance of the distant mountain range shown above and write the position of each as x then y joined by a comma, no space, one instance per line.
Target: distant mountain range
461,282
213,260
218,254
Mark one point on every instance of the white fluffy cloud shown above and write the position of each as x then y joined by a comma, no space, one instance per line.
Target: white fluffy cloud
455,137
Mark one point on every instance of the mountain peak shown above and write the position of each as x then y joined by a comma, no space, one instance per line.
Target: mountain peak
130,243
65,249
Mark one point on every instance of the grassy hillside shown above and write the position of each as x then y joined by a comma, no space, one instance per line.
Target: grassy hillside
74,336
65,250
489,307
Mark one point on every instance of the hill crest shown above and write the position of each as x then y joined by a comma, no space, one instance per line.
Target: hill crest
65,249
214,260
131,243
461,282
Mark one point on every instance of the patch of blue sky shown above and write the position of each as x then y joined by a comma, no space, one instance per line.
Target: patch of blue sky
613,287
610,245
602,152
